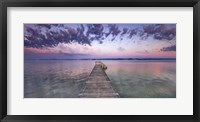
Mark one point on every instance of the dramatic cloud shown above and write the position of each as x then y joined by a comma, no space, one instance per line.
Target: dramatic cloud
95,32
170,48
159,32
133,32
113,29
45,25
50,35
38,38
125,30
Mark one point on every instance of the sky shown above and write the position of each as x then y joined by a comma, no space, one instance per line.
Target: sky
93,41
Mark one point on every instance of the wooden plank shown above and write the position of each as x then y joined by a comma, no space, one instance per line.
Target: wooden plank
98,84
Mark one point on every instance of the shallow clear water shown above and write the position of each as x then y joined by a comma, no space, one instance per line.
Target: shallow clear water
143,79
131,79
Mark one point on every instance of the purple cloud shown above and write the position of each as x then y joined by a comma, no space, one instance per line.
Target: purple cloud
50,35
159,32
170,48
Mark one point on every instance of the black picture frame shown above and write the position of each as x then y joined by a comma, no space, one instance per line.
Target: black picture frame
99,3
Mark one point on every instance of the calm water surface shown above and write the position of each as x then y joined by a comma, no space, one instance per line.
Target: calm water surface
131,79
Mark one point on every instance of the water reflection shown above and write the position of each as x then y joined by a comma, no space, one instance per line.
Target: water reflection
143,79
55,78
131,79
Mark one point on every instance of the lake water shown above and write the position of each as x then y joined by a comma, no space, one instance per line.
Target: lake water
130,78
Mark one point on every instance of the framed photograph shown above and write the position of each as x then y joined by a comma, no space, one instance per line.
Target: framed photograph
100,60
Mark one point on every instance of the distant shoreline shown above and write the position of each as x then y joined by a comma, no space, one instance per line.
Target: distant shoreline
112,59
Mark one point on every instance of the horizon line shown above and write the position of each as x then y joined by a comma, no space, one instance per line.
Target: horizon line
109,59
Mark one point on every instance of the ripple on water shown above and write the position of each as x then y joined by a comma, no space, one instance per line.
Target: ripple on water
131,79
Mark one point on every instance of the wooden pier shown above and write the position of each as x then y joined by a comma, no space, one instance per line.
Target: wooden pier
98,84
